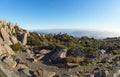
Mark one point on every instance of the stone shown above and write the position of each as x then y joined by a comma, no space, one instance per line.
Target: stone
28,51
24,40
117,74
10,61
72,64
59,54
13,39
21,66
44,51
105,73
66,75
102,51
44,73
90,75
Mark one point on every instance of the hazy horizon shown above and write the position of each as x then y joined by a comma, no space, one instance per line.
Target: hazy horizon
79,33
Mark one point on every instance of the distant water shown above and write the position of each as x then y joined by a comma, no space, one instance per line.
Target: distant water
80,33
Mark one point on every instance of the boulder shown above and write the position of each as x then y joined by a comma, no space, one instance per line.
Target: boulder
4,48
44,73
59,54
10,61
29,51
5,36
117,74
13,39
91,75
24,39
102,73
105,73
8,49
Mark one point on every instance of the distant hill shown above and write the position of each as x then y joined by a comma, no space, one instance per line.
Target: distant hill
80,33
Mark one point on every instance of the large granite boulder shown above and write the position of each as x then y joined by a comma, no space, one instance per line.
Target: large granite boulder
5,36
4,48
13,39
8,49
24,40
59,54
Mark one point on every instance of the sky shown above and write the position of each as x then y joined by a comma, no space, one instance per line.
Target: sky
63,14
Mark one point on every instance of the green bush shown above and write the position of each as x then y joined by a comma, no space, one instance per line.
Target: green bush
17,47
58,46
86,61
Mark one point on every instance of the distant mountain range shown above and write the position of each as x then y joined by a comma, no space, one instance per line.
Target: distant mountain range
79,33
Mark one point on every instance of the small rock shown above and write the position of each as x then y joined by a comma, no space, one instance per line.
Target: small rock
21,66
44,51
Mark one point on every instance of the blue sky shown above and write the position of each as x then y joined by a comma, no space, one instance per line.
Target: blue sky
63,14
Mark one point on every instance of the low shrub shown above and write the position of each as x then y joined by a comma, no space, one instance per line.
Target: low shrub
17,47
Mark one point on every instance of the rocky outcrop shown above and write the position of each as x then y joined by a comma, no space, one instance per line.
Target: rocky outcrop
8,72
8,49
31,59
4,48
5,36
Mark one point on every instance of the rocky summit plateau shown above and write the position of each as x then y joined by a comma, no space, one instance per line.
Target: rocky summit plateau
31,54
